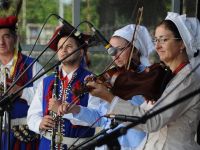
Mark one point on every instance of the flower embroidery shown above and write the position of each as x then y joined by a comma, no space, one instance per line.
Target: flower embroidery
75,96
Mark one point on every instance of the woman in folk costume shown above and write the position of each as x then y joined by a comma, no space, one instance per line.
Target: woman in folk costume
13,63
70,75
134,139
174,128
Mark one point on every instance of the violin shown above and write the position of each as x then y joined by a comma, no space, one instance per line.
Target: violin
150,83
127,83
109,76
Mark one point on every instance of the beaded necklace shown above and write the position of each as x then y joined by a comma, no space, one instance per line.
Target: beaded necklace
64,93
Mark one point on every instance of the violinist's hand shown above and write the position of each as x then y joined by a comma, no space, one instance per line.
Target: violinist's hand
151,102
65,108
99,90
54,104
47,123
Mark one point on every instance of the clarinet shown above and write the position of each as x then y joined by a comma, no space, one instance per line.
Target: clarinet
53,114
3,83
6,115
5,79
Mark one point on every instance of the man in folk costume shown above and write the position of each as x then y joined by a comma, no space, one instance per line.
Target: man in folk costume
13,63
70,75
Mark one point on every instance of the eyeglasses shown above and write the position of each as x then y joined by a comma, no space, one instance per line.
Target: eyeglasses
119,49
115,50
163,40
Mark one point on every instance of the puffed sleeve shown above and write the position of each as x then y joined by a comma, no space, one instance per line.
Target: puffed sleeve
28,92
35,113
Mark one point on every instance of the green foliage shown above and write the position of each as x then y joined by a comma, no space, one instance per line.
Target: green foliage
88,11
68,13
12,8
38,10
5,13
45,8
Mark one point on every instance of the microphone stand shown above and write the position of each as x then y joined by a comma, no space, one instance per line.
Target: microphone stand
122,130
113,143
102,132
1,122
5,109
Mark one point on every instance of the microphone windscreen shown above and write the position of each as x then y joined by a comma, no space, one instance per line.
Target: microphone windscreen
112,51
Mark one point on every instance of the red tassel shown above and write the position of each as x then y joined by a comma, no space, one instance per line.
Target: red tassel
17,145
37,144
28,146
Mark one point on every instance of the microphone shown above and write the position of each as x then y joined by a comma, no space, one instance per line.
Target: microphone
111,50
91,40
69,26
123,118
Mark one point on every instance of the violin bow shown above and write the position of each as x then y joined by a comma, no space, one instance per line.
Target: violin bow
138,21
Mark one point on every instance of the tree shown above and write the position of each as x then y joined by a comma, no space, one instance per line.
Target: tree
118,13
39,10
88,11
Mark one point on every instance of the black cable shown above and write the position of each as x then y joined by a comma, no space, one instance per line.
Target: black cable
35,43
101,133
73,144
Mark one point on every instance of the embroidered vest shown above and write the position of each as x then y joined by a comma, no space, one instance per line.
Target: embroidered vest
20,106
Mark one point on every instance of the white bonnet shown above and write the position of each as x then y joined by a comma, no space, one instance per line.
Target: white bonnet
143,41
189,29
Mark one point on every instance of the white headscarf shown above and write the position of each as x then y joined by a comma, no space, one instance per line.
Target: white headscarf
189,29
143,41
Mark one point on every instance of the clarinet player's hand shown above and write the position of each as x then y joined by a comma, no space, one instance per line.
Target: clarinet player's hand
54,104
47,123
